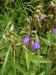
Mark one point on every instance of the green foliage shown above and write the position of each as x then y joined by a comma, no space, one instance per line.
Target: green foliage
22,17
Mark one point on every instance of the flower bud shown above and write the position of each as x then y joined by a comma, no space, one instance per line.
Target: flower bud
12,28
36,16
4,37
50,16
37,11
52,4
28,20
41,56
42,16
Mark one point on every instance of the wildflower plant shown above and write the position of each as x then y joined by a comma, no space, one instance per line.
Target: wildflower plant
28,37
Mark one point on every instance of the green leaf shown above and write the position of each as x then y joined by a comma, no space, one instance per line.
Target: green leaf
44,61
19,68
13,66
49,36
11,73
6,58
0,71
45,41
44,50
37,38
28,59
54,36
41,60
26,73
42,73
8,1
23,32
48,68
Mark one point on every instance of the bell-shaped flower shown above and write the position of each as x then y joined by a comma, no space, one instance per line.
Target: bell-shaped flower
26,40
35,45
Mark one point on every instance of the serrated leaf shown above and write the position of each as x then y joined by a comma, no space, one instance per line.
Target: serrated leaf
19,68
41,60
48,68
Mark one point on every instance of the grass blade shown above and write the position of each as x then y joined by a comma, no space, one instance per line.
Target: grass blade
6,58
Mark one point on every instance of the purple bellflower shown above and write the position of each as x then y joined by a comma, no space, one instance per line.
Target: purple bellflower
26,40
35,46
54,30
42,17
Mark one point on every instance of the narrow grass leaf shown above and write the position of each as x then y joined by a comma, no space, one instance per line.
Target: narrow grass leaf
6,58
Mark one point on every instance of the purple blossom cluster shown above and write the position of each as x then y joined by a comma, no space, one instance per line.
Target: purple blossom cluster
34,46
